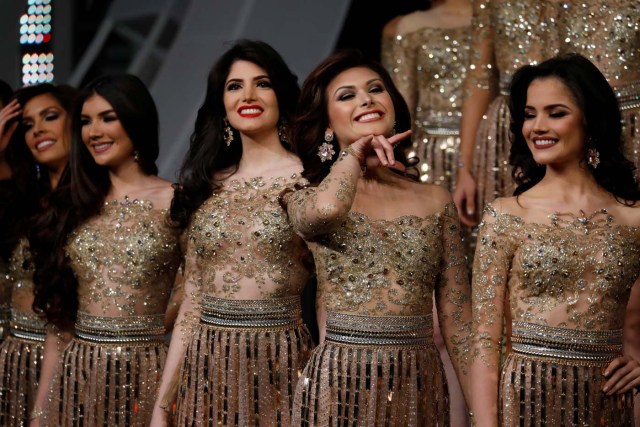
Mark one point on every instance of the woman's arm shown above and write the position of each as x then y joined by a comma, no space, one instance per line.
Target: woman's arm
322,209
478,95
54,344
489,284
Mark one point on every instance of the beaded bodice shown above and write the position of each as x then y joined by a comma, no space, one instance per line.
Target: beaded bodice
429,67
573,272
125,259
21,276
528,32
240,243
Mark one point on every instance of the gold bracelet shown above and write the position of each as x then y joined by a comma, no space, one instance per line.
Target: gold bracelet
36,413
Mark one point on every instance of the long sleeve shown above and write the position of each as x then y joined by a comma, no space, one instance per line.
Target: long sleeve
453,295
489,286
321,209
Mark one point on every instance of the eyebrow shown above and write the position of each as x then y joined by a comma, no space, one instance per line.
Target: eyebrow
44,112
102,113
353,86
550,107
260,77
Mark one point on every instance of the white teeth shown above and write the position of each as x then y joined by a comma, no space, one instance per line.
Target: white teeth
44,144
250,111
369,116
101,147
544,142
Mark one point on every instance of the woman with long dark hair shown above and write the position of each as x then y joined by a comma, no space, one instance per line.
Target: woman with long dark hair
239,343
35,134
565,254
383,244
106,257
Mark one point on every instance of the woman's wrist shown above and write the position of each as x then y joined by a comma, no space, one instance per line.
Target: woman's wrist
36,412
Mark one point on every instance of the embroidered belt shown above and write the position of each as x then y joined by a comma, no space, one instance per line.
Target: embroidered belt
116,330
563,343
27,326
628,95
362,330
273,313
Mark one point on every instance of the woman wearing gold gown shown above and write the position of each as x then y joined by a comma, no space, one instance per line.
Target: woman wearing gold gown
239,344
509,34
383,245
564,253
106,257
34,140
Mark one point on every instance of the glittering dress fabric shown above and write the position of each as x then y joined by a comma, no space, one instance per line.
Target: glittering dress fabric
22,350
378,365
429,67
125,259
579,267
509,34
6,285
248,345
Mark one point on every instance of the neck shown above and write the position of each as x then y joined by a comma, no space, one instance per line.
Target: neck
460,5
571,183
55,173
261,153
125,179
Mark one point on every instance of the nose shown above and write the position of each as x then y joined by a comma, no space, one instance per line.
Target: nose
248,92
540,124
37,128
366,100
94,130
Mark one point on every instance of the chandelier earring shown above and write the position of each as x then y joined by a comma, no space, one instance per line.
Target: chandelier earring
136,156
283,130
228,133
38,171
593,156
326,150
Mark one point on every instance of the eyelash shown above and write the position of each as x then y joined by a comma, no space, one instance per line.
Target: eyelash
557,115
350,95
261,84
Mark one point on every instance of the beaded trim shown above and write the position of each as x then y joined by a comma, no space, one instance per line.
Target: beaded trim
126,329
563,343
27,326
405,331
274,313
628,95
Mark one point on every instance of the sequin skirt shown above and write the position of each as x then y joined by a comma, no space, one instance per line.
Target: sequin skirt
374,371
109,373
243,363
553,377
437,148
20,360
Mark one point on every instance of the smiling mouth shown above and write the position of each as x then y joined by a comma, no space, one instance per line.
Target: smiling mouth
544,143
101,148
250,112
44,145
369,117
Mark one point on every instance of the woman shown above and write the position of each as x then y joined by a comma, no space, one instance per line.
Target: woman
106,258
34,143
382,244
507,35
240,344
565,252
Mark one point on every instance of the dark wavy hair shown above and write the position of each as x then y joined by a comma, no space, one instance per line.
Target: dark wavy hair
83,188
312,120
23,195
208,153
601,120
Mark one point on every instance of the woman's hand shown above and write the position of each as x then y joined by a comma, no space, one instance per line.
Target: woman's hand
623,374
159,417
7,125
464,196
377,150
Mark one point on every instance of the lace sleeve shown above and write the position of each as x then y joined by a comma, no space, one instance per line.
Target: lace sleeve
399,58
482,73
453,293
320,210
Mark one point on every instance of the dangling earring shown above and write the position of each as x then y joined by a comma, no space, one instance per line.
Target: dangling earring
228,133
282,131
37,171
326,151
593,157
136,156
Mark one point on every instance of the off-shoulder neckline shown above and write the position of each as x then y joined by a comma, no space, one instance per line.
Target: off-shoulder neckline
427,28
399,218
556,217
127,202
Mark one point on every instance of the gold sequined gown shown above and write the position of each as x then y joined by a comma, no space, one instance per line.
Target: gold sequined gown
245,271
6,285
22,350
378,365
429,66
125,259
580,269
508,34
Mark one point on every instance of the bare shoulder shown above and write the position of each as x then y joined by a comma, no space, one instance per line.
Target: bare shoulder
626,214
416,21
391,27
